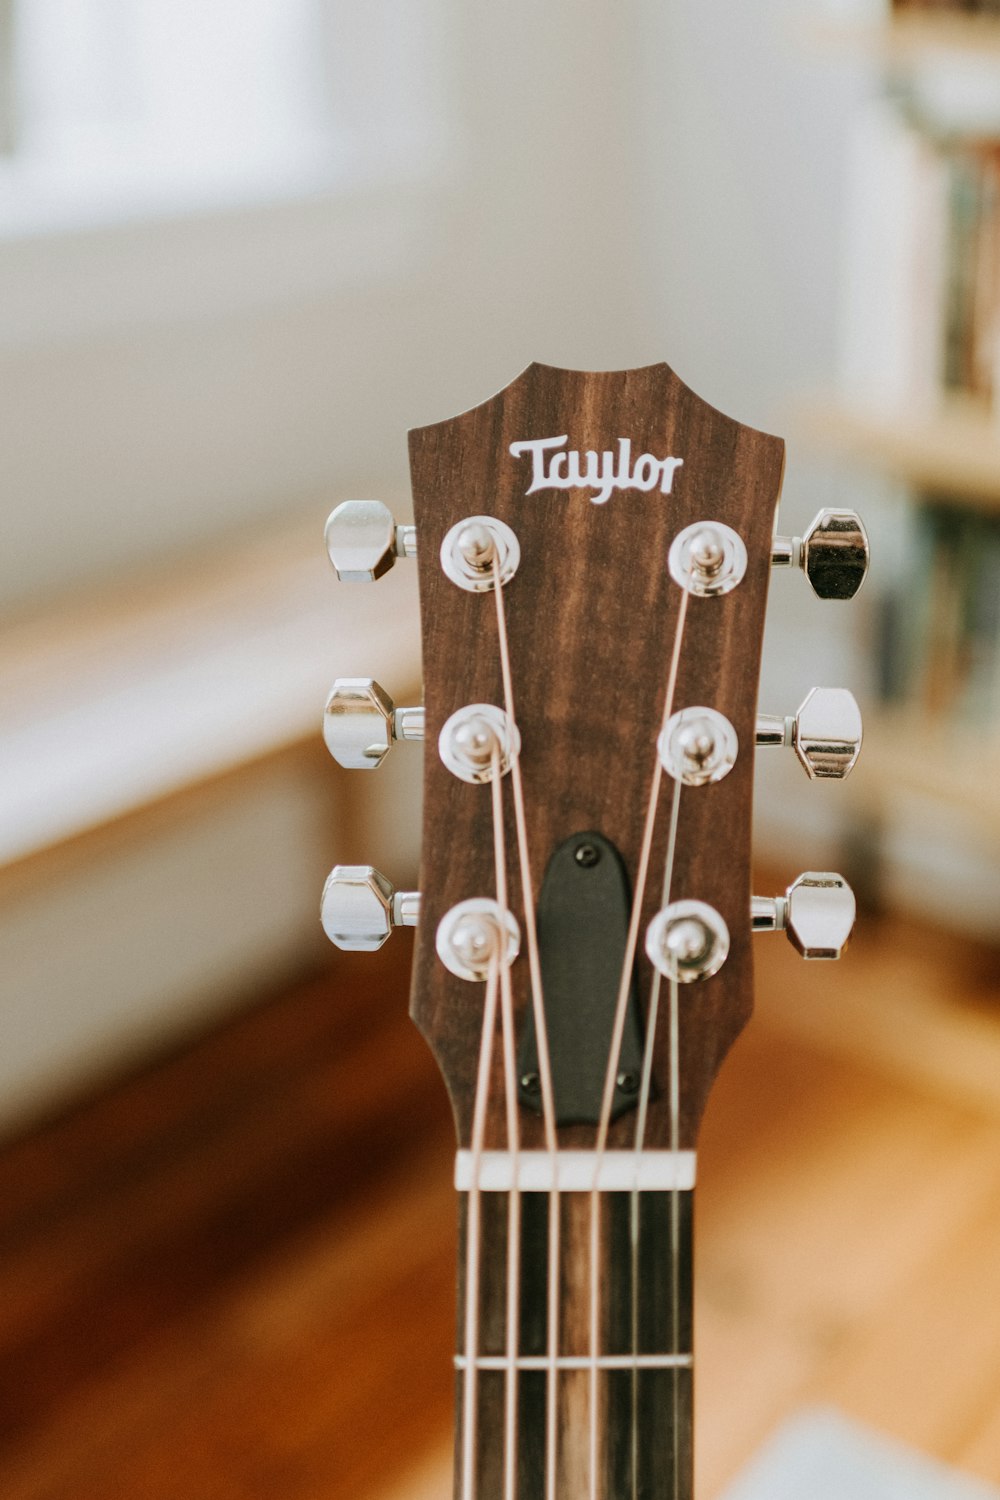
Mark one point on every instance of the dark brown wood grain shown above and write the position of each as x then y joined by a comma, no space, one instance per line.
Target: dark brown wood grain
591,615
644,1429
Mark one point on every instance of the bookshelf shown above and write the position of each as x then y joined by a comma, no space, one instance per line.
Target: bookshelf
917,403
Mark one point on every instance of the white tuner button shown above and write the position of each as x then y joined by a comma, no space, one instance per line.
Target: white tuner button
833,554
360,907
825,733
363,540
816,912
360,723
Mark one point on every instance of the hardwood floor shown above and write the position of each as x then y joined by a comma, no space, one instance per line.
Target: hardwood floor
231,1277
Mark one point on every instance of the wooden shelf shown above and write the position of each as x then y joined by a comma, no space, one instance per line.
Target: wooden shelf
910,38
955,452
116,702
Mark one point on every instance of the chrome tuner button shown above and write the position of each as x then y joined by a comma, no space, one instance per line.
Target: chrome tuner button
697,746
475,549
360,907
816,912
472,737
687,941
475,934
707,558
825,734
364,541
360,723
833,554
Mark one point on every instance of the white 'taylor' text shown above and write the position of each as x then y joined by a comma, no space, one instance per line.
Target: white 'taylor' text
554,468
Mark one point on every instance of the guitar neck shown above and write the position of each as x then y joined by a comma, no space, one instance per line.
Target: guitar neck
639,1386
594,552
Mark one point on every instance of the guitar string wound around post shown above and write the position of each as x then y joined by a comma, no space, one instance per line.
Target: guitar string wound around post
707,558
473,737
687,941
475,550
476,934
698,746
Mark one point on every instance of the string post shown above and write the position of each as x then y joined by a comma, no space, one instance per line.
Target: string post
706,553
477,738
707,559
697,746
478,741
475,936
475,941
477,546
480,551
687,941
697,742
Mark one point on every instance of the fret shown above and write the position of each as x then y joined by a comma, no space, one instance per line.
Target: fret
580,1362
644,1364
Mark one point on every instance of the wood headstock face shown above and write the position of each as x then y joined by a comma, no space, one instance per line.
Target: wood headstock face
591,613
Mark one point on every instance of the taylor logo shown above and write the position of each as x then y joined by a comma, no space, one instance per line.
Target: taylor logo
553,467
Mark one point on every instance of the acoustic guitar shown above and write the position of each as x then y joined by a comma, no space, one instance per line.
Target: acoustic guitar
594,552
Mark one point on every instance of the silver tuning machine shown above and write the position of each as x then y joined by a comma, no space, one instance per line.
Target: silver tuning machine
364,541
825,733
833,554
360,907
361,723
816,913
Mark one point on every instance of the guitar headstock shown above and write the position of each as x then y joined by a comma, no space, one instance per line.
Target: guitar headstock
594,552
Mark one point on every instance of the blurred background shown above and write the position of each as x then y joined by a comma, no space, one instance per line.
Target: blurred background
243,248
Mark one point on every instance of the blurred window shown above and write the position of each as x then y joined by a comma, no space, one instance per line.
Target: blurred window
115,109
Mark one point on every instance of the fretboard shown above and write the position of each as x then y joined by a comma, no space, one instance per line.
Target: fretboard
644,1350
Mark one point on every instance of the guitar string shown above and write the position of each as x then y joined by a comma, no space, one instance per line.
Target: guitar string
675,1223
618,1030
544,1059
513,1148
470,1393
498,967
645,1091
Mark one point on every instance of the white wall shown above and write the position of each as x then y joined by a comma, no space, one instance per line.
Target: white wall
165,382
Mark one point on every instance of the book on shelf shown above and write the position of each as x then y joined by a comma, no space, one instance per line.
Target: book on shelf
971,269
938,646
921,322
